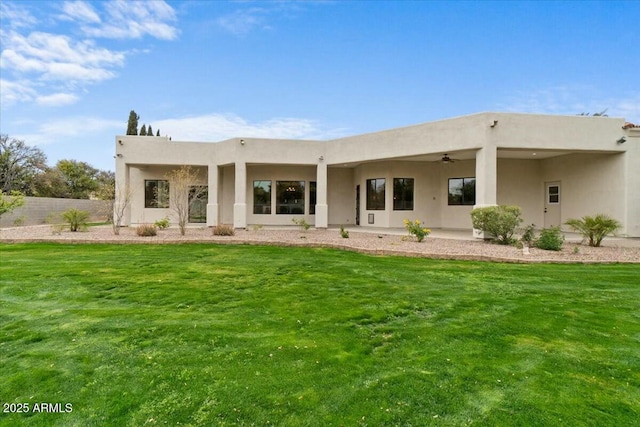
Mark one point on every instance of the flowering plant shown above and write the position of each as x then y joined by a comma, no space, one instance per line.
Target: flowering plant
415,228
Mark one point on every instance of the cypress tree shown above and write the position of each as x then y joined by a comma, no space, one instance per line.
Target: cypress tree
149,131
132,124
143,130
158,133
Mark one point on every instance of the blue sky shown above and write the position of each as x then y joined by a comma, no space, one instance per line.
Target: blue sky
212,70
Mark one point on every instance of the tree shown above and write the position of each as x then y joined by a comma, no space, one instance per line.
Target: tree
80,178
51,183
143,130
19,165
132,124
119,204
184,193
8,202
158,133
149,131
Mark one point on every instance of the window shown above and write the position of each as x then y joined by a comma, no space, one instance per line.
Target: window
462,191
402,194
290,197
262,197
553,194
198,197
375,194
156,193
312,198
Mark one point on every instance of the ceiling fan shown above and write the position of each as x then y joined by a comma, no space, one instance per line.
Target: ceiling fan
447,159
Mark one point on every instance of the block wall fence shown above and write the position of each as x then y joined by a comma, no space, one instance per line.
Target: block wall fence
46,210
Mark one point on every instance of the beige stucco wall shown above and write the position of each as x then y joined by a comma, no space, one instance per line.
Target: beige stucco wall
341,191
520,183
589,183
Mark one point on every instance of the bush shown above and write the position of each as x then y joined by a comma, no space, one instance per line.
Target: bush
344,233
161,224
223,230
529,235
498,221
551,239
594,228
415,228
76,219
300,222
146,230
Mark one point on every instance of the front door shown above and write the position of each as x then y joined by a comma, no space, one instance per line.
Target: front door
552,204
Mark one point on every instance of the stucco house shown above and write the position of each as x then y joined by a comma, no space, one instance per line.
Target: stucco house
553,167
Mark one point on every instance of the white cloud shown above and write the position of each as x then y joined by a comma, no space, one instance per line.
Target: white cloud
15,16
242,22
135,19
56,99
81,11
218,127
57,57
12,92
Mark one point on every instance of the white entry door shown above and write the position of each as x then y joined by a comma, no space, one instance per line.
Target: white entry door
552,204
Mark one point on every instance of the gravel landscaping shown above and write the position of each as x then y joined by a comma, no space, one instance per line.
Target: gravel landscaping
615,250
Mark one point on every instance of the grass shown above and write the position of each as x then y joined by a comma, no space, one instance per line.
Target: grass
203,335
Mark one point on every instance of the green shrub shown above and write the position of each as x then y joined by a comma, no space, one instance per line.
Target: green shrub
146,230
344,233
161,224
498,221
529,235
9,202
551,239
416,228
302,223
594,228
76,219
223,230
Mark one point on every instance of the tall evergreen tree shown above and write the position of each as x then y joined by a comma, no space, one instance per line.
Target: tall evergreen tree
158,133
149,131
143,130
132,124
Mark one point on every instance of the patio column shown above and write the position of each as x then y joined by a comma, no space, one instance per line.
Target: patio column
212,202
240,205
322,209
486,179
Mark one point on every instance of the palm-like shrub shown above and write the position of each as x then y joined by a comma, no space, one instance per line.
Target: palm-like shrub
594,228
76,219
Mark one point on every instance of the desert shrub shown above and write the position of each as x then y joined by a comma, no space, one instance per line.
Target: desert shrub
551,239
302,223
76,219
10,201
498,221
223,230
344,233
19,222
416,228
146,230
528,237
161,224
594,228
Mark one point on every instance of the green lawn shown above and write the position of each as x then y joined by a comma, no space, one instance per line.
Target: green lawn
202,335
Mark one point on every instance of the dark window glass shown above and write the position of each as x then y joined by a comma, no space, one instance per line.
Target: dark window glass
262,197
375,194
156,193
312,198
290,197
198,197
554,194
402,194
462,191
